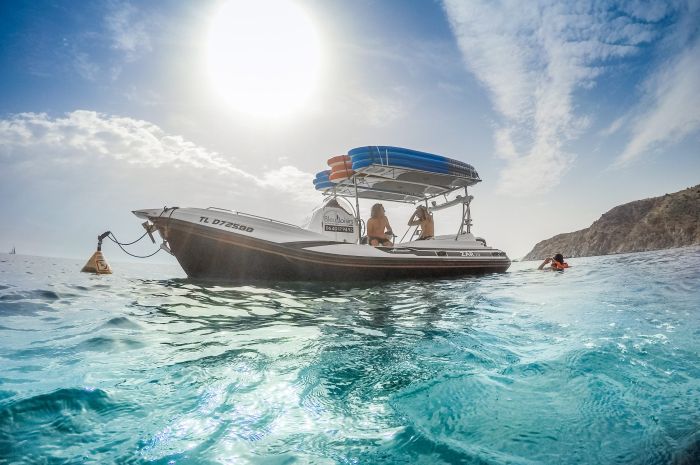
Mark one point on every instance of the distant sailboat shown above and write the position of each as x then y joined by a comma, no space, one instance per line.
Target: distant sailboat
13,251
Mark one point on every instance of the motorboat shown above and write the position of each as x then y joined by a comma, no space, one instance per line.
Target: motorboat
219,244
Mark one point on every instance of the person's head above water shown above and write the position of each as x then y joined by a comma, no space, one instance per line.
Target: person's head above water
556,262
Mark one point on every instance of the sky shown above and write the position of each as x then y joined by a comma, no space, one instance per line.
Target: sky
566,109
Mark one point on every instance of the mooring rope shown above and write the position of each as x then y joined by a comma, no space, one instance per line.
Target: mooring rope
110,235
113,238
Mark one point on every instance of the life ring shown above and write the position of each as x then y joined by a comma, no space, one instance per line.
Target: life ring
340,161
340,174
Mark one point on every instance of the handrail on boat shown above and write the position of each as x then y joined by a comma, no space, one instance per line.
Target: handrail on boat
250,215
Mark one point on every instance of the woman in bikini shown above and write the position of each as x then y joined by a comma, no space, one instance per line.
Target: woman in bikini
423,218
378,228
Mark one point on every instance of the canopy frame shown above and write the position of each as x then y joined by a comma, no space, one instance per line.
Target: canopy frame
404,184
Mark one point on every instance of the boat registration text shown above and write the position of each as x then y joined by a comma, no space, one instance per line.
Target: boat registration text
225,224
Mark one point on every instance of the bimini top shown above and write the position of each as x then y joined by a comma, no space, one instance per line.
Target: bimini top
394,174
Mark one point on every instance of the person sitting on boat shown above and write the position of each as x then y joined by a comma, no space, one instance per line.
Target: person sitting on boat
423,218
556,263
378,228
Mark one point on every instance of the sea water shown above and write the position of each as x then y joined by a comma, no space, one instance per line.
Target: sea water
598,364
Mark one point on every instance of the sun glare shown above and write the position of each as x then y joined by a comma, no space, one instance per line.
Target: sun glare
263,56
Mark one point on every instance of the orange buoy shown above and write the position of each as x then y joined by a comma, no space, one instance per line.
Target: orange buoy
97,264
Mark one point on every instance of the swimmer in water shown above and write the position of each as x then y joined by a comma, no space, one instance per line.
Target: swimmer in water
555,263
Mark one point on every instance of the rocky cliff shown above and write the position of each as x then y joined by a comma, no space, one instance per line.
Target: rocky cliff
672,220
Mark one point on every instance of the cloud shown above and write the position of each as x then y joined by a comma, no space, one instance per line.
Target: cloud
85,67
614,126
67,178
291,180
391,77
143,97
379,111
670,106
532,57
84,137
128,29
60,43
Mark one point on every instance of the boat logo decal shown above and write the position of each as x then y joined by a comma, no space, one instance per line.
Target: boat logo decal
334,222
226,224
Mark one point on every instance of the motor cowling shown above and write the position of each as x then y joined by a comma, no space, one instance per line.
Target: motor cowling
334,221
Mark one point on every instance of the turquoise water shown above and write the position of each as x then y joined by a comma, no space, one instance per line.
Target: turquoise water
599,364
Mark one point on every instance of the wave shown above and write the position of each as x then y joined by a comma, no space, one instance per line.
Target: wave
31,428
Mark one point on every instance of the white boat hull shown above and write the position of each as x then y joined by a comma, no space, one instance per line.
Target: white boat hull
221,245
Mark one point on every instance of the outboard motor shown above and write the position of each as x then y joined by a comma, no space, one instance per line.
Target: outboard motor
334,221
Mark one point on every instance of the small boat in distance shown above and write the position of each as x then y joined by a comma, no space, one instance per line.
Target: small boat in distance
219,244
13,251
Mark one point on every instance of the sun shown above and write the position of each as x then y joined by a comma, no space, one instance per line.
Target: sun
263,56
